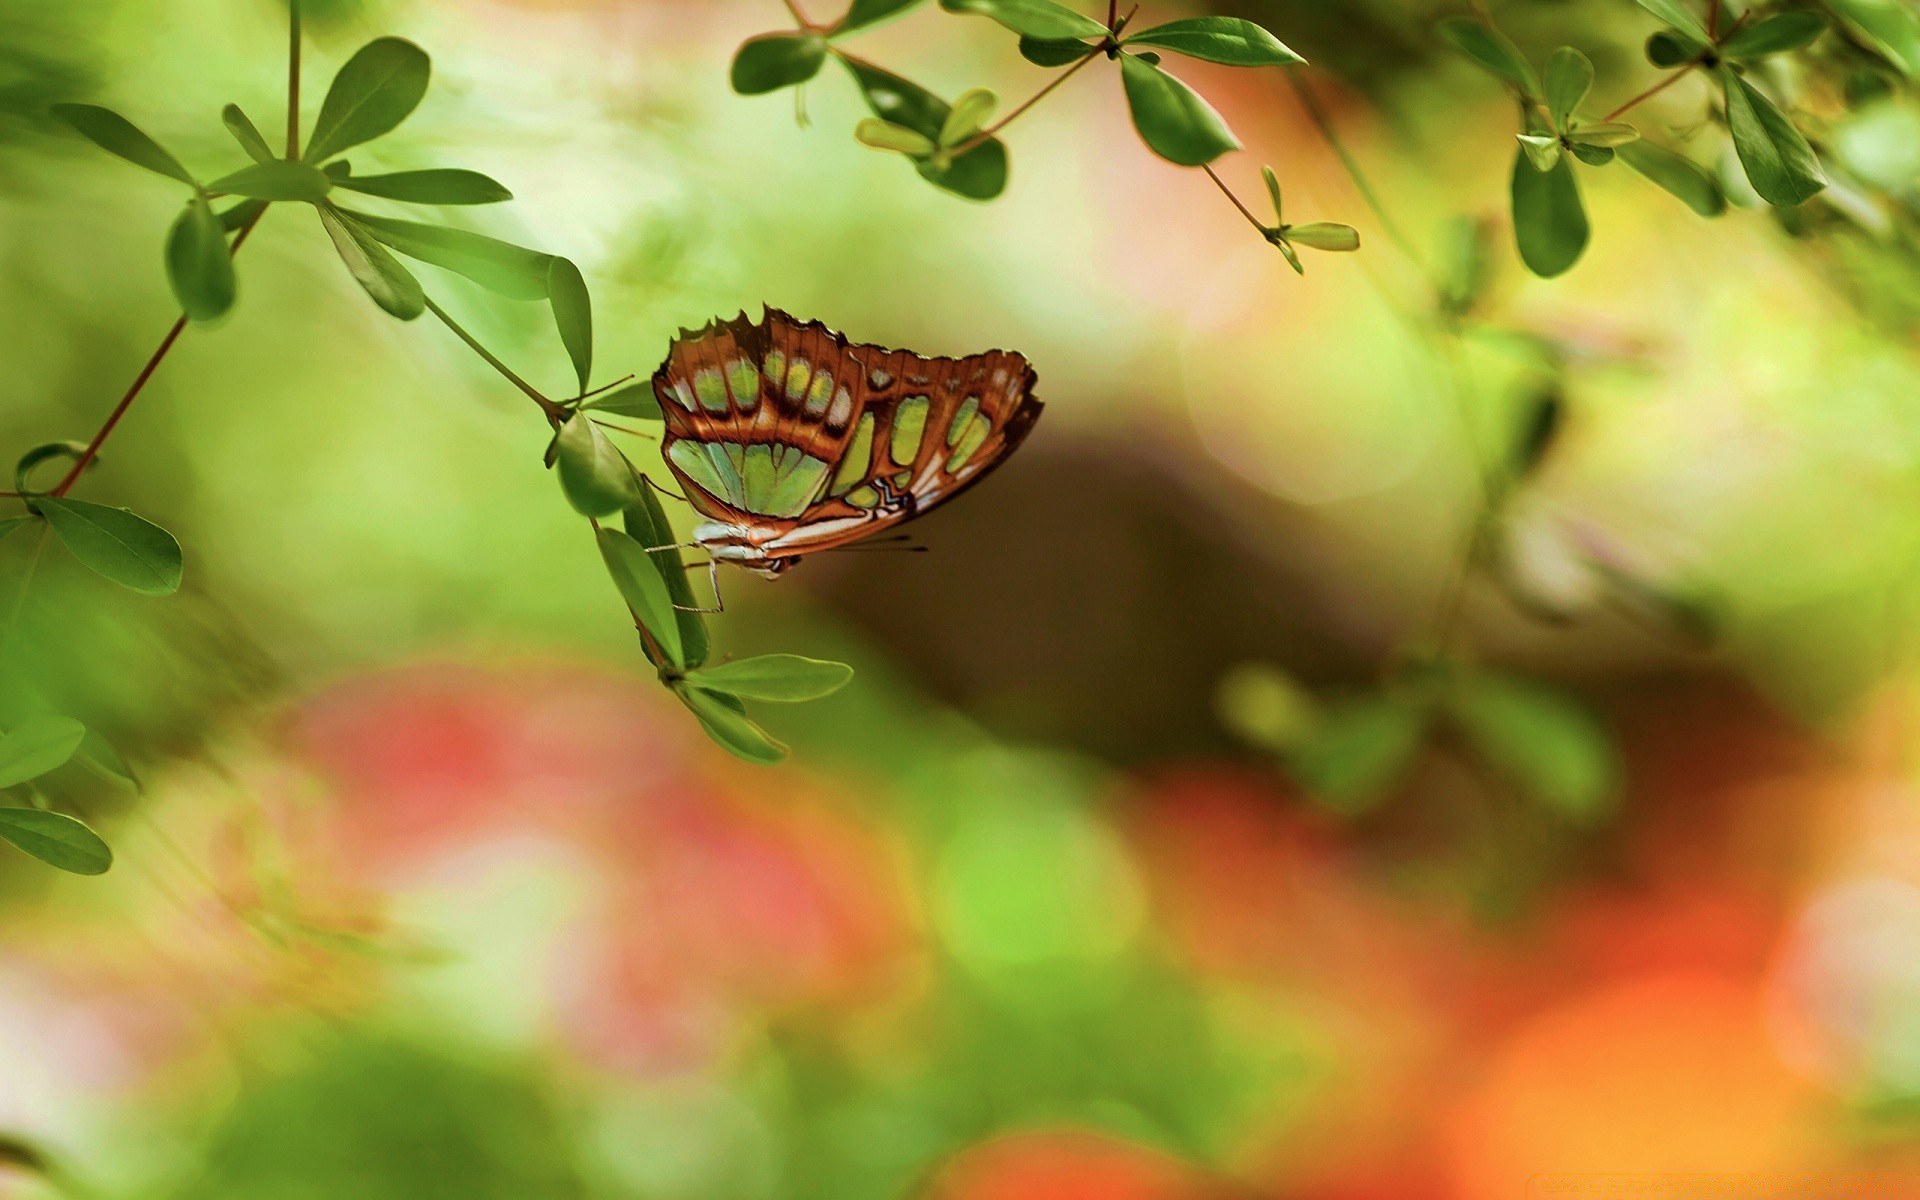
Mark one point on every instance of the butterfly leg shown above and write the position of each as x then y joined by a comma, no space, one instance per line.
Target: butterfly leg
713,576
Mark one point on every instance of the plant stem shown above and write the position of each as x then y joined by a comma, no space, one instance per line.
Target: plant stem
1650,93
554,413
1228,193
293,79
140,381
1713,18
794,8
988,134
1351,165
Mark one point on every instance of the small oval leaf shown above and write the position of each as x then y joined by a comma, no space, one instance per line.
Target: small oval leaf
1042,19
1228,40
246,133
36,746
437,185
1679,175
116,135
646,523
1774,34
276,180
1568,79
1173,119
1057,53
785,678
776,60
1493,51
1776,157
635,400
645,590
729,727
1325,235
1548,744
390,284
199,264
594,474
1549,220
572,315
56,839
128,549
377,89
513,271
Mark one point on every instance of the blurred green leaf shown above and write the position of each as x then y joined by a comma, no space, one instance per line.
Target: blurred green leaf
1890,27
1053,53
897,139
1609,134
36,746
728,726
1593,156
776,60
1677,14
1568,79
635,400
968,116
199,264
645,590
1466,263
572,314
1265,707
240,215
513,271
1547,743
390,284
1358,751
1667,49
593,473
128,549
1774,34
1287,252
1228,40
275,180
1543,150
377,89
9,524
243,130
870,12
1777,159
786,678
1041,19
1173,119
439,185
1679,175
979,174
56,839
1492,50
646,523
116,135
1549,220
1273,193
99,756
1539,426
1325,235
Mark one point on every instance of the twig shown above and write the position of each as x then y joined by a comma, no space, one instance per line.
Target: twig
1228,193
554,413
988,134
1651,92
293,79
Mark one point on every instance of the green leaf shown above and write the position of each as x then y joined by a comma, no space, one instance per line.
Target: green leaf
1774,34
1041,19
1549,220
56,839
572,314
1778,161
98,755
45,452
1173,119
777,60
968,116
439,185
1604,133
378,88
729,727
244,131
870,12
979,174
1359,750
786,678
1537,430
1493,51
593,473
1543,150
646,523
513,271
130,550
116,135
634,400
1053,53
1227,40
1273,191
645,590
1593,156
241,215
1287,252
1667,49
1693,184
9,524
1889,27
276,180
199,265
391,285
1677,14
897,139
1569,77
1548,744
1325,235
36,746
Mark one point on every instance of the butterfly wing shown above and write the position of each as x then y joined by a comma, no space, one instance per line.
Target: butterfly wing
802,441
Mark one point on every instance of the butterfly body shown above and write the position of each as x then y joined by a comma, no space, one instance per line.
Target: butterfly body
790,440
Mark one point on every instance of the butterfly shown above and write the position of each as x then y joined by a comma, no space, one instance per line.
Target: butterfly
789,439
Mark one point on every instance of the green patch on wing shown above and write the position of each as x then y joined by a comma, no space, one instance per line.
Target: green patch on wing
766,479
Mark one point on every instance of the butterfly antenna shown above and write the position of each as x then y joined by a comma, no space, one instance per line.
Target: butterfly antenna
639,433
605,387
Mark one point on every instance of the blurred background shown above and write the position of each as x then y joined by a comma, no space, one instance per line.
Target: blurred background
431,891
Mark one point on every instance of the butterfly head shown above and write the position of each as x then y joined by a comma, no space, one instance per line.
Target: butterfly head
772,568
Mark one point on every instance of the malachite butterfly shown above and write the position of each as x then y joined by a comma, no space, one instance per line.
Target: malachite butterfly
790,440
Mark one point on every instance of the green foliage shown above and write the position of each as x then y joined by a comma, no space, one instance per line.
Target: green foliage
1549,220
1041,19
1228,40
389,284
1358,750
1493,51
863,13
199,265
1174,120
130,550
1568,79
275,179
56,839
1774,35
636,400
642,585
1679,175
777,60
978,174
594,474
1049,53
572,315
513,271
377,89
246,133
36,746
646,523
1778,161
1677,14
116,135
439,185
786,678
1549,745
726,722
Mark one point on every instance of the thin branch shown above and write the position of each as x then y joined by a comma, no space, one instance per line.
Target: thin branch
1228,193
1651,92
991,131
555,414
293,79
793,7
1713,18
140,381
